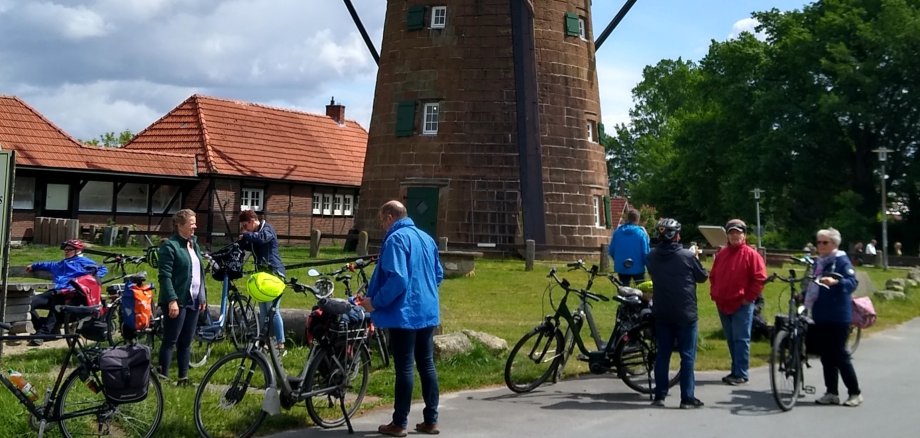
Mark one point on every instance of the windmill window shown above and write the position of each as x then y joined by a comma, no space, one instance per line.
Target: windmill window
431,118
582,32
591,131
598,218
405,119
438,17
415,18
571,24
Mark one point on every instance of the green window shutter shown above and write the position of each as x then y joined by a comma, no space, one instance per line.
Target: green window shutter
607,212
415,19
571,24
600,131
405,119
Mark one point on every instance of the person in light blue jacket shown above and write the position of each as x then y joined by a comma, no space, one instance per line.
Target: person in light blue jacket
628,249
403,297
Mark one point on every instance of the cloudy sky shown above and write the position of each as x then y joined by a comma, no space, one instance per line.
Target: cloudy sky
95,66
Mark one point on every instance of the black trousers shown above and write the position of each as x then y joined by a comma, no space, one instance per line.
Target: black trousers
46,300
830,340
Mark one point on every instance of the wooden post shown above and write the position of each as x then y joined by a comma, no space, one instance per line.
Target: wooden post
125,236
605,260
362,244
315,237
442,243
529,254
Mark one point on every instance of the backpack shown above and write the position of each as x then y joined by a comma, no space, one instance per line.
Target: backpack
136,306
125,373
864,315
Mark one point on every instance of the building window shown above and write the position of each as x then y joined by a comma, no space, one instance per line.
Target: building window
251,199
160,200
96,196
438,17
591,127
582,33
24,193
431,118
347,204
571,24
57,197
598,213
132,198
327,204
317,199
337,205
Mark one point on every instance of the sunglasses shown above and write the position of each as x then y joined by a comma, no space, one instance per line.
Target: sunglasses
824,242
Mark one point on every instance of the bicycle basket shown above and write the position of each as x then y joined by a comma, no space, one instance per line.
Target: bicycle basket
228,263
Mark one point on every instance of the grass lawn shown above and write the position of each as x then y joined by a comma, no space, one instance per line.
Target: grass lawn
501,299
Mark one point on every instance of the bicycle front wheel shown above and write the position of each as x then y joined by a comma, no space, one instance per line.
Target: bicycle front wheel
635,360
339,380
534,359
242,322
85,411
229,398
853,339
785,370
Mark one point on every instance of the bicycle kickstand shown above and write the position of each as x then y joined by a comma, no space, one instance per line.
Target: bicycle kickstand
351,430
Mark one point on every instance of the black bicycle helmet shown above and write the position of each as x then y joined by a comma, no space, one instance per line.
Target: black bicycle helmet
668,228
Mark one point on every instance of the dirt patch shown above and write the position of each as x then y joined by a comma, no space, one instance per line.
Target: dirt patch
12,348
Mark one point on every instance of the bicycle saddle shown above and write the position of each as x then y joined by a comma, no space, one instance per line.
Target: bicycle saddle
627,292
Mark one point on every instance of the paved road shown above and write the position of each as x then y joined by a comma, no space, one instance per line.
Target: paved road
887,364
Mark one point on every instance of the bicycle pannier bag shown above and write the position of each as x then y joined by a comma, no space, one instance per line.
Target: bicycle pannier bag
125,373
864,315
136,308
86,291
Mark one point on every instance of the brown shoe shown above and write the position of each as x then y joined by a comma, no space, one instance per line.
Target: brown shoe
429,428
391,430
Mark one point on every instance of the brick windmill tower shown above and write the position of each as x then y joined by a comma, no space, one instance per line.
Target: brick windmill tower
485,124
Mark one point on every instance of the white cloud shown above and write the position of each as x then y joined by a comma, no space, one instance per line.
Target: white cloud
748,25
70,22
616,84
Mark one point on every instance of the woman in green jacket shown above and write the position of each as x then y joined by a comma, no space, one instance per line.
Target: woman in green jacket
182,292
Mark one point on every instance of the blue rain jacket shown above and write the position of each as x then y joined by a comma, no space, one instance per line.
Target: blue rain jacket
70,268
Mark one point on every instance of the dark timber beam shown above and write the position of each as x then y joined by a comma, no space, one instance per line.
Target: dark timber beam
528,120
613,24
367,39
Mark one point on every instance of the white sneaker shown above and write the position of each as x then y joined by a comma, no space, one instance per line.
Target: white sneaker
828,399
854,400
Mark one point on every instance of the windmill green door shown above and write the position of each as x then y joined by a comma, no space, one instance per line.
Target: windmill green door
422,205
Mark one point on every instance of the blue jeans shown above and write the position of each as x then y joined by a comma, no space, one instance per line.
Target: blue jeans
277,323
737,328
404,345
666,334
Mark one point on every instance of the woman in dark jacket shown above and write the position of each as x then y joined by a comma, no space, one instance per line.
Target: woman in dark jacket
830,300
182,292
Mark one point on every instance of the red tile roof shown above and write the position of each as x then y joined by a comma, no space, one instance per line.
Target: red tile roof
618,208
236,138
39,143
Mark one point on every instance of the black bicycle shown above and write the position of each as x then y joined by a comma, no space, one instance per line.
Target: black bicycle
77,402
630,351
378,339
788,356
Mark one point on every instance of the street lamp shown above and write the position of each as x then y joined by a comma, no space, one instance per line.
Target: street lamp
882,157
757,193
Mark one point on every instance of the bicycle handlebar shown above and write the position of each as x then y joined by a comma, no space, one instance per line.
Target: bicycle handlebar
567,287
123,258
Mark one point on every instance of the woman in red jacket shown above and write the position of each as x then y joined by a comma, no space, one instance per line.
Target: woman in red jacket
736,280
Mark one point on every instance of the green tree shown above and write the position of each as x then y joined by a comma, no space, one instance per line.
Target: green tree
111,139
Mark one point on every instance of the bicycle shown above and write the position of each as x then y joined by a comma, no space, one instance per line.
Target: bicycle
788,356
333,381
77,403
112,301
378,338
236,318
630,351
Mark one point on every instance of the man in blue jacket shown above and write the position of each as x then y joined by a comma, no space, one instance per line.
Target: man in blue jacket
72,266
403,297
629,249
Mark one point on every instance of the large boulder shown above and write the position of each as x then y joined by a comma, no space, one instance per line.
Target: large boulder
890,295
491,342
896,284
451,344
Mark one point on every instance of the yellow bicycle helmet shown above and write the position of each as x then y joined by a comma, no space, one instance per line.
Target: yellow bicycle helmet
646,288
264,287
